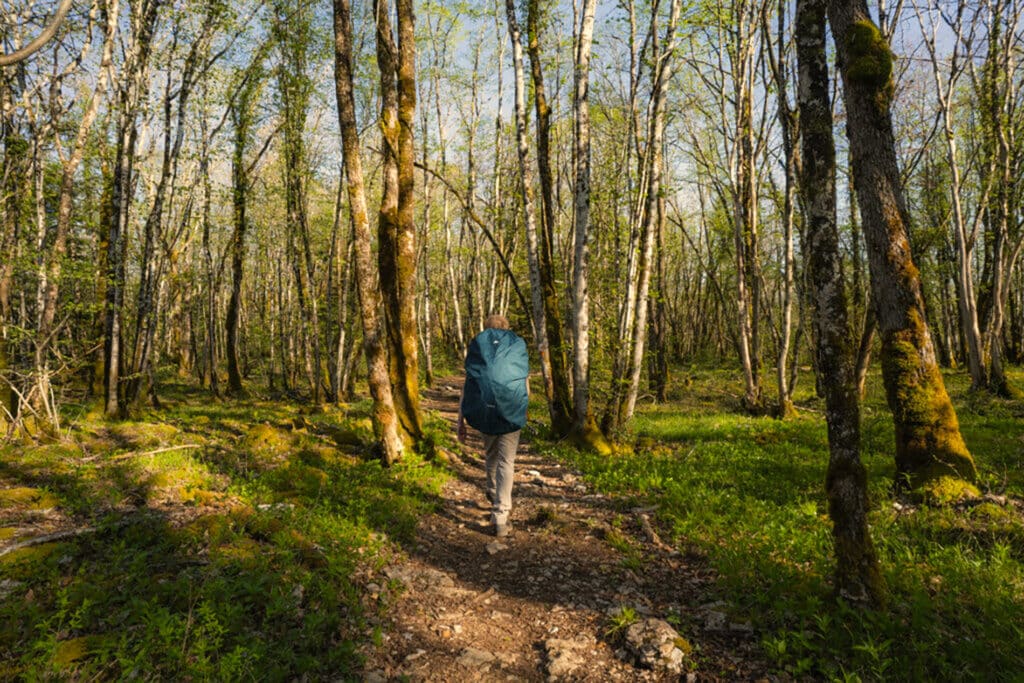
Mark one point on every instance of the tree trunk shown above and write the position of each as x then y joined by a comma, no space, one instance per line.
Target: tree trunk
385,420
788,122
54,259
538,309
561,409
857,575
15,173
928,441
133,87
945,94
662,75
396,228
242,115
584,428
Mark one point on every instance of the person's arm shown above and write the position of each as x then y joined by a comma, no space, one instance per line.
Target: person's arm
460,428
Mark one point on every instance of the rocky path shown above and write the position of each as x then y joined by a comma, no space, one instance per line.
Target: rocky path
540,604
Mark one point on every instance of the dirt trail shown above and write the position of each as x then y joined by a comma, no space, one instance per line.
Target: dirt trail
538,602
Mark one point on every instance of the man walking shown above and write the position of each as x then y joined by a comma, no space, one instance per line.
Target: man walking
494,401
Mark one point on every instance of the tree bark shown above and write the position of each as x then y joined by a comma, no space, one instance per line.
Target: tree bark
133,87
789,125
396,222
50,283
929,446
857,575
662,75
561,407
15,173
242,119
385,420
584,428
538,310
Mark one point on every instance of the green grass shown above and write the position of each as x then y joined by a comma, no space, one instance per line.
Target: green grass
749,493
236,556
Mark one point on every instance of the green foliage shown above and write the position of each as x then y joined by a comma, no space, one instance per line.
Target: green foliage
621,619
749,493
242,562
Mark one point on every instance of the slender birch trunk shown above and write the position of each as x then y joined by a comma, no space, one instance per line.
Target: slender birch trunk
586,431
663,59
945,95
53,262
532,250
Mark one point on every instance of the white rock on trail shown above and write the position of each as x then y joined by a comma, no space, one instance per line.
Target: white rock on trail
655,645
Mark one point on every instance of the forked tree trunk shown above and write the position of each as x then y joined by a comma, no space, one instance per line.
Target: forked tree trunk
928,441
789,125
134,84
857,574
396,228
662,75
385,422
743,174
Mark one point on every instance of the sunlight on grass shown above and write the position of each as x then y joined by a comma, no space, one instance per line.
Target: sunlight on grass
227,543
749,492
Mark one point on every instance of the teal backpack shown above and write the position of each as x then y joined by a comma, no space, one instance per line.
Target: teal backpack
494,398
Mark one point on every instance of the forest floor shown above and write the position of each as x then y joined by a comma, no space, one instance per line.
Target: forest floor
545,600
258,538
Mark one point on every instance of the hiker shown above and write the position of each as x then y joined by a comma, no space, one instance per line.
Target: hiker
494,401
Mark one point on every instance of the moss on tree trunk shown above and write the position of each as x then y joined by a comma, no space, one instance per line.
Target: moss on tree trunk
930,452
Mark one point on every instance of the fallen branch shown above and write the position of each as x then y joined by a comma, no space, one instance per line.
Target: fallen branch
133,454
70,533
652,535
46,538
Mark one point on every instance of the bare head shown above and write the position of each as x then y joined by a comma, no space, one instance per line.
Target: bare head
496,322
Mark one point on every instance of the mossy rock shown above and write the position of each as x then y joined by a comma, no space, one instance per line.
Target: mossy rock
212,528
23,498
312,456
241,549
144,434
346,436
67,652
998,515
298,479
684,645
946,491
23,563
309,554
265,439
264,527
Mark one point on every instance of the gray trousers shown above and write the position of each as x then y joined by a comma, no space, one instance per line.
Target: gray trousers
501,457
